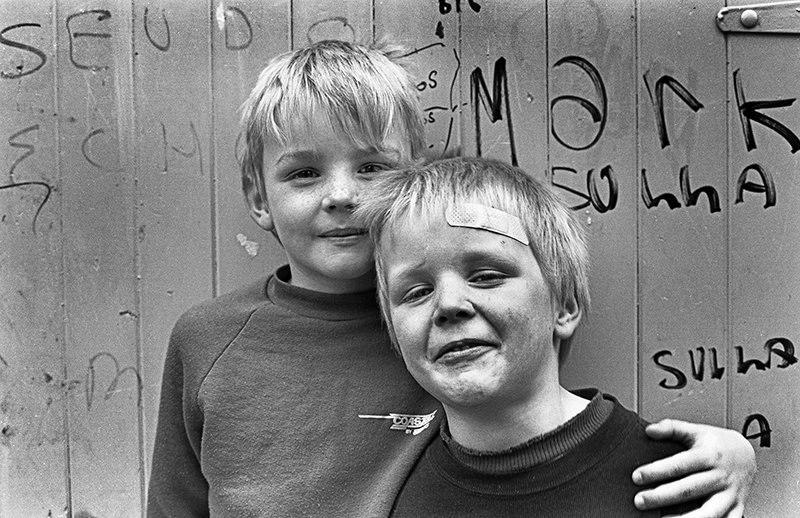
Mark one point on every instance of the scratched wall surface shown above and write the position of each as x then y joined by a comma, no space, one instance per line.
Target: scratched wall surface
120,205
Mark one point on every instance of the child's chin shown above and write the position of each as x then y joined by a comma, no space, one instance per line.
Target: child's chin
462,393
360,279
350,266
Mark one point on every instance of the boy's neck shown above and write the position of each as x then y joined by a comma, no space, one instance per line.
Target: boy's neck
492,430
322,284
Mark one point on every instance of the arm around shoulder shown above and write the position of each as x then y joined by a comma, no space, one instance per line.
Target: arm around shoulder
719,465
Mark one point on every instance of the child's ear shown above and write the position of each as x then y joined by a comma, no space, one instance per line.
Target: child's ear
259,209
567,319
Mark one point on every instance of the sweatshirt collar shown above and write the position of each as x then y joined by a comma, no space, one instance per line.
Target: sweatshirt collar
315,304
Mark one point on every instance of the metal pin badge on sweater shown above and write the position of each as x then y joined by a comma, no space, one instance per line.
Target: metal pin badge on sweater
409,423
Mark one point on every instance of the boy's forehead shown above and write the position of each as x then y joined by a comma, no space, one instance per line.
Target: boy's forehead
458,214
304,135
402,239
309,151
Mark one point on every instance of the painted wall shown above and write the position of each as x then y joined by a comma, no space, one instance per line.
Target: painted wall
120,205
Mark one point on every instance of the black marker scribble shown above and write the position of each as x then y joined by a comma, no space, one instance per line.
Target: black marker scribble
439,30
29,148
85,146
650,202
492,103
112,387
690,197
433,81
764,434
592,195
698,368
48,190
445,6
195,149
102,16
417,50
162,47
748,111
680,377
429,82
598,115
451,97
783,348
584,196
249,40
341,19
767,185
607,173
21,46
436,109
657,100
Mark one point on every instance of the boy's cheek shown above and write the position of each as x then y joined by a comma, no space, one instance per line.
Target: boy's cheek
408,333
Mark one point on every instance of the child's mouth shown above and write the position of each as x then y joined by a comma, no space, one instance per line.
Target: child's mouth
344,232
462,350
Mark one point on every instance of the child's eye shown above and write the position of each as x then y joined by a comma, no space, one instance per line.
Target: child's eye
416,293
487,278
302,174
373,168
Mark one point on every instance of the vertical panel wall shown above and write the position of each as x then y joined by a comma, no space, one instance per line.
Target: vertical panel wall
175,175
592,92
33,389
504,64
764,258
431,39
121,205
682,235
100,290
245,37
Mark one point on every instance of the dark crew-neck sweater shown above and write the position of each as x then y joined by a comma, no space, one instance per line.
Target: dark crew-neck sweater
581,469
281,401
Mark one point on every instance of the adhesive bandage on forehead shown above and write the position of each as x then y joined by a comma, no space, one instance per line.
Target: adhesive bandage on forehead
481,217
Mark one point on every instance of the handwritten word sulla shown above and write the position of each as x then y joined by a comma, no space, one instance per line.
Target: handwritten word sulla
780,348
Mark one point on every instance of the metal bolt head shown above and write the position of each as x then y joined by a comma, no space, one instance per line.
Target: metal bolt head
749,18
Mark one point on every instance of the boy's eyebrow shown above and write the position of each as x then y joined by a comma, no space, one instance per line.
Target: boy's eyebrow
469,257
403,274
312,155
289,156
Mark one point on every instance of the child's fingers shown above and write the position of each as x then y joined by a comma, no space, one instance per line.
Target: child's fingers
684,490
678,465
674,429
720,505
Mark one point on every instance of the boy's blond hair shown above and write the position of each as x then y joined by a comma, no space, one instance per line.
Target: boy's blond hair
364,91
415,196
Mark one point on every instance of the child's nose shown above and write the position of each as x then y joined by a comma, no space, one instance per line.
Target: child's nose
452,305
342,194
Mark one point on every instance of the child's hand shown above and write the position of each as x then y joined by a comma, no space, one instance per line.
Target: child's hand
720,464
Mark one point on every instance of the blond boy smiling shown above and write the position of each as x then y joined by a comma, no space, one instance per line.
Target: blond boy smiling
482,277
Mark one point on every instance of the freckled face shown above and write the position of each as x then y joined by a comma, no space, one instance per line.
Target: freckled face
312,187
472,314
